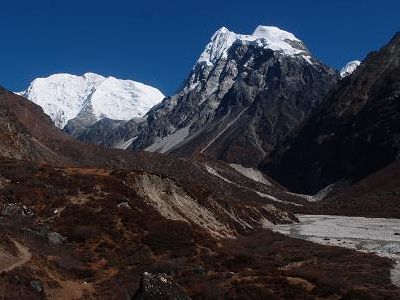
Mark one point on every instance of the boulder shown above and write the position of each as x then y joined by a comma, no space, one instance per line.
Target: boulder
159,286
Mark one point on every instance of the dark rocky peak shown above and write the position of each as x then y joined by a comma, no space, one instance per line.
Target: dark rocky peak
354,134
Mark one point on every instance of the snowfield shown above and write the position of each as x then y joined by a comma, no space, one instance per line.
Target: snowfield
65,96
268,37
372,235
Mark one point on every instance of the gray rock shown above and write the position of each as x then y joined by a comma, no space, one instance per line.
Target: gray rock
124,205
15,209
55,238
159,286
37,286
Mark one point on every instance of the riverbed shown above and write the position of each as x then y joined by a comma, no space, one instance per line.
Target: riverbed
373,235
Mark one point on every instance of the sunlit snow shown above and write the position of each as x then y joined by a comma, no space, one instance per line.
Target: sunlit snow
268,37
64,96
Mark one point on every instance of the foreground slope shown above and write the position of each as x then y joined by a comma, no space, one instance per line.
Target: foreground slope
92,233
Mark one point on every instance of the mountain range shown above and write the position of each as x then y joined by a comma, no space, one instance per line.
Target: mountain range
253,100
227,101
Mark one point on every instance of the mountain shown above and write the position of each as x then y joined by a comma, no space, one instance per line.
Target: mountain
349,68
376,195
245,94
355,133
80,101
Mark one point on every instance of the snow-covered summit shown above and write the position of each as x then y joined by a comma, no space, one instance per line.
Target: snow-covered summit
64,96
268,37
349,68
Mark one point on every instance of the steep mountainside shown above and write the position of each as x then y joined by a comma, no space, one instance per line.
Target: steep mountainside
80,101
111,133
377,195
244,95
355,134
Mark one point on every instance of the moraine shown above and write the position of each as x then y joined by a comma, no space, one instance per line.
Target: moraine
372,235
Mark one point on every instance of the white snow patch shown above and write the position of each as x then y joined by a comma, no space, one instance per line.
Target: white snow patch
318,196
215,173
307,58
349,68
252,174
270,197
268,37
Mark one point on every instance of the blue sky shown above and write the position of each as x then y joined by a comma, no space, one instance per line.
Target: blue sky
157,42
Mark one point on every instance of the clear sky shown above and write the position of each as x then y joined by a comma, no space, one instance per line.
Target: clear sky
158,41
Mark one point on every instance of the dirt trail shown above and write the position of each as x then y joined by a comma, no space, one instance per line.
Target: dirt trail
9,262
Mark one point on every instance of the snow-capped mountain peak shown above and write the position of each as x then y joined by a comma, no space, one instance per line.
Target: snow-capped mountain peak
268,37
64,96
349,68
220,42
279,40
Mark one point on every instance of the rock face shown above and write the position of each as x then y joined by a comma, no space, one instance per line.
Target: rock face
245,94
111,133
356,133
81,101
159,286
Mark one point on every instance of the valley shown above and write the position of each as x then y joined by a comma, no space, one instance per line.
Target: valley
268,174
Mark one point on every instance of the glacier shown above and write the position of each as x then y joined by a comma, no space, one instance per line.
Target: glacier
64,97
